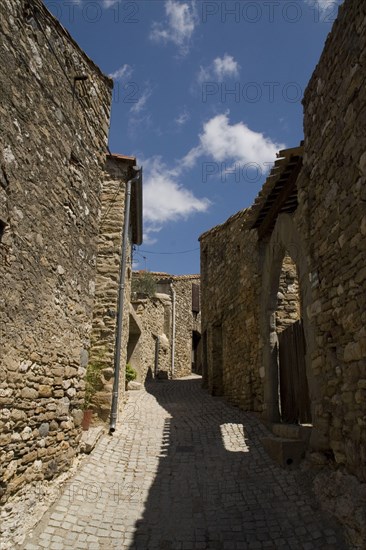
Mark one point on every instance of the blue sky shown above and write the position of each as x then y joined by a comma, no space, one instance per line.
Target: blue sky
206,92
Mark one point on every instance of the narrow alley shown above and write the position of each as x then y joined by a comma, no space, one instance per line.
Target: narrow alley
185,471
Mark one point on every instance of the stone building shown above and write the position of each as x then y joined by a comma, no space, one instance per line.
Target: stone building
118,170
230,321
165,328
284,282
55,113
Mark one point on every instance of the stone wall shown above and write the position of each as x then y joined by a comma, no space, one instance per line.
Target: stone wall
288,296
186,322
53,137
230,288
155,319
117,173
327,234
332,216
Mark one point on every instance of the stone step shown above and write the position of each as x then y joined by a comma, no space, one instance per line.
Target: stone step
134,385
90,438
286,452
292,431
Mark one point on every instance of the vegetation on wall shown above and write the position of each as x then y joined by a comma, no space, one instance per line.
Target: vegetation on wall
93,380
131,374
144,283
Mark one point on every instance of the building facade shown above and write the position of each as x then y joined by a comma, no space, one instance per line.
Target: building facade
57,225
118,171
165,330
289,273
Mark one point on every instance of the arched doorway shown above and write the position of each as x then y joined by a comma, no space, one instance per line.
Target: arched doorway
287,334
294,399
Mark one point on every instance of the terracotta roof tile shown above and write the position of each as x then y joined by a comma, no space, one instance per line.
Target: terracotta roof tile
121,157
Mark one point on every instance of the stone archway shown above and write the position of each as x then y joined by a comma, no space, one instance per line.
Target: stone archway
285,238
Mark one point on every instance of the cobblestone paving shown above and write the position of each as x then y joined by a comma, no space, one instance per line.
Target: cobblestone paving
185,472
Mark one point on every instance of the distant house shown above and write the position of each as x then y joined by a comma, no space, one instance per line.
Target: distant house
165,330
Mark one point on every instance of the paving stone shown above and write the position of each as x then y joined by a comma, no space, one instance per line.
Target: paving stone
216,496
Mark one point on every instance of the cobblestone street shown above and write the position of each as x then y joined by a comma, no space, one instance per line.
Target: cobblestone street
185,471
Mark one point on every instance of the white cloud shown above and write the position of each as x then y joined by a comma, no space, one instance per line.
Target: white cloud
220,68
323,5
179,25
190,159
204,75
225,67
183,118
165,199
168,200
223,141
138,123
109,3
123,72
141,102
149,230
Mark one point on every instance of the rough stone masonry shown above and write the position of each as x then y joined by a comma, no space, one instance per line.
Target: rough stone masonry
55,108
324,232
165,328
118,170
312,208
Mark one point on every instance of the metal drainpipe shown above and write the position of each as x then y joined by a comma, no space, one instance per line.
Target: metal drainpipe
121,300
173,327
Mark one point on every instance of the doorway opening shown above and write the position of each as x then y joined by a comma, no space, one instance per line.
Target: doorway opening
196,352
133,351
293,391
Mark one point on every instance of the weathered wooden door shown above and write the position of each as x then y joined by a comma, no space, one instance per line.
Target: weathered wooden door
294,390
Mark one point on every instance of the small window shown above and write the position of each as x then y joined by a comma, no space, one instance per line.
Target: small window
195,298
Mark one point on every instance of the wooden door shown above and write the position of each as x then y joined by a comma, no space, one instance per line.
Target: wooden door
294,390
